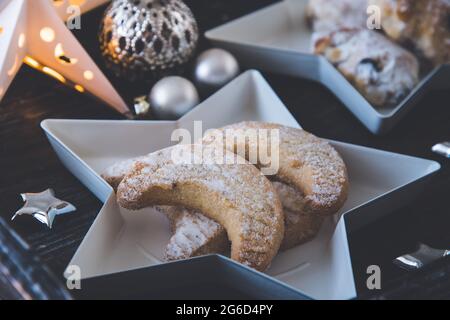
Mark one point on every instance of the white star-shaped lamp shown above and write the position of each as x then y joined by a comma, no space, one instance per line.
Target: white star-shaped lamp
34,32
43,206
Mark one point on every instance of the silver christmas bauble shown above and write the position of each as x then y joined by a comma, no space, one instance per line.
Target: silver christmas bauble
143,39
214,68
171,97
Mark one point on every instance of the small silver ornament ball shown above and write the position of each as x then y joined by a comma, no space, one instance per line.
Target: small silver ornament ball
140,39
215,68
171,97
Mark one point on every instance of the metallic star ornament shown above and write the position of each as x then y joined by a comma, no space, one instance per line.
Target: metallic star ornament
442,148
423,256
34,33
43,206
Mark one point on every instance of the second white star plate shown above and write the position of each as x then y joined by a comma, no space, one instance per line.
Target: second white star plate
277,39
121,240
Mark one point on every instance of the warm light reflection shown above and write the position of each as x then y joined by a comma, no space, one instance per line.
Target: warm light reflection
1,30
31,62
47,34
79,88
62,57
58,3
53,74
88,75
14,67
77,2
21,41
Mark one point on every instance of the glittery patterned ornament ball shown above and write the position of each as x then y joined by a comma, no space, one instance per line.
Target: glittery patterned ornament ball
147,38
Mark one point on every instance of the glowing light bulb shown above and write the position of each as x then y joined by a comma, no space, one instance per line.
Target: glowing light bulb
77,2
62,57
11,71
54,74
88,75
31,62
58,3
21,41
47,34
79,88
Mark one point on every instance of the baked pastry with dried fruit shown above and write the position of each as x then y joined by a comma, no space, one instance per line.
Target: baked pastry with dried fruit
424,23
328,15
382,71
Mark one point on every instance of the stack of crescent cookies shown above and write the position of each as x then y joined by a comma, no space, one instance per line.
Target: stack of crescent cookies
385,63
215,207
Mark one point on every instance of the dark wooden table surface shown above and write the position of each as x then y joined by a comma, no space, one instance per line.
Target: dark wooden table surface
28,164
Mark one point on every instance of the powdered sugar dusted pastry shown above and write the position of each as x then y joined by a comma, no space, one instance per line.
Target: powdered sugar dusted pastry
382,71
307,163
115,173
328,15
193,234
300,226
424,23
238,197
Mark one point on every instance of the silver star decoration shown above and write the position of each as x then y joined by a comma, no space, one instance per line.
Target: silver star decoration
423,256
442,148
44,206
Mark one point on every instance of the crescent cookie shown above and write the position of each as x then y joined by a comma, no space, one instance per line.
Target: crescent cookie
237,196
307,163
382,71
299,226
327,15
115,173
194,234
425,24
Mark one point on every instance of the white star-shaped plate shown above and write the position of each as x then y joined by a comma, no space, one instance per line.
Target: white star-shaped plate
120,240
277,39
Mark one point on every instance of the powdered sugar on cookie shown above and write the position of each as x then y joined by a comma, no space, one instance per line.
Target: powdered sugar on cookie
237,196
306,162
